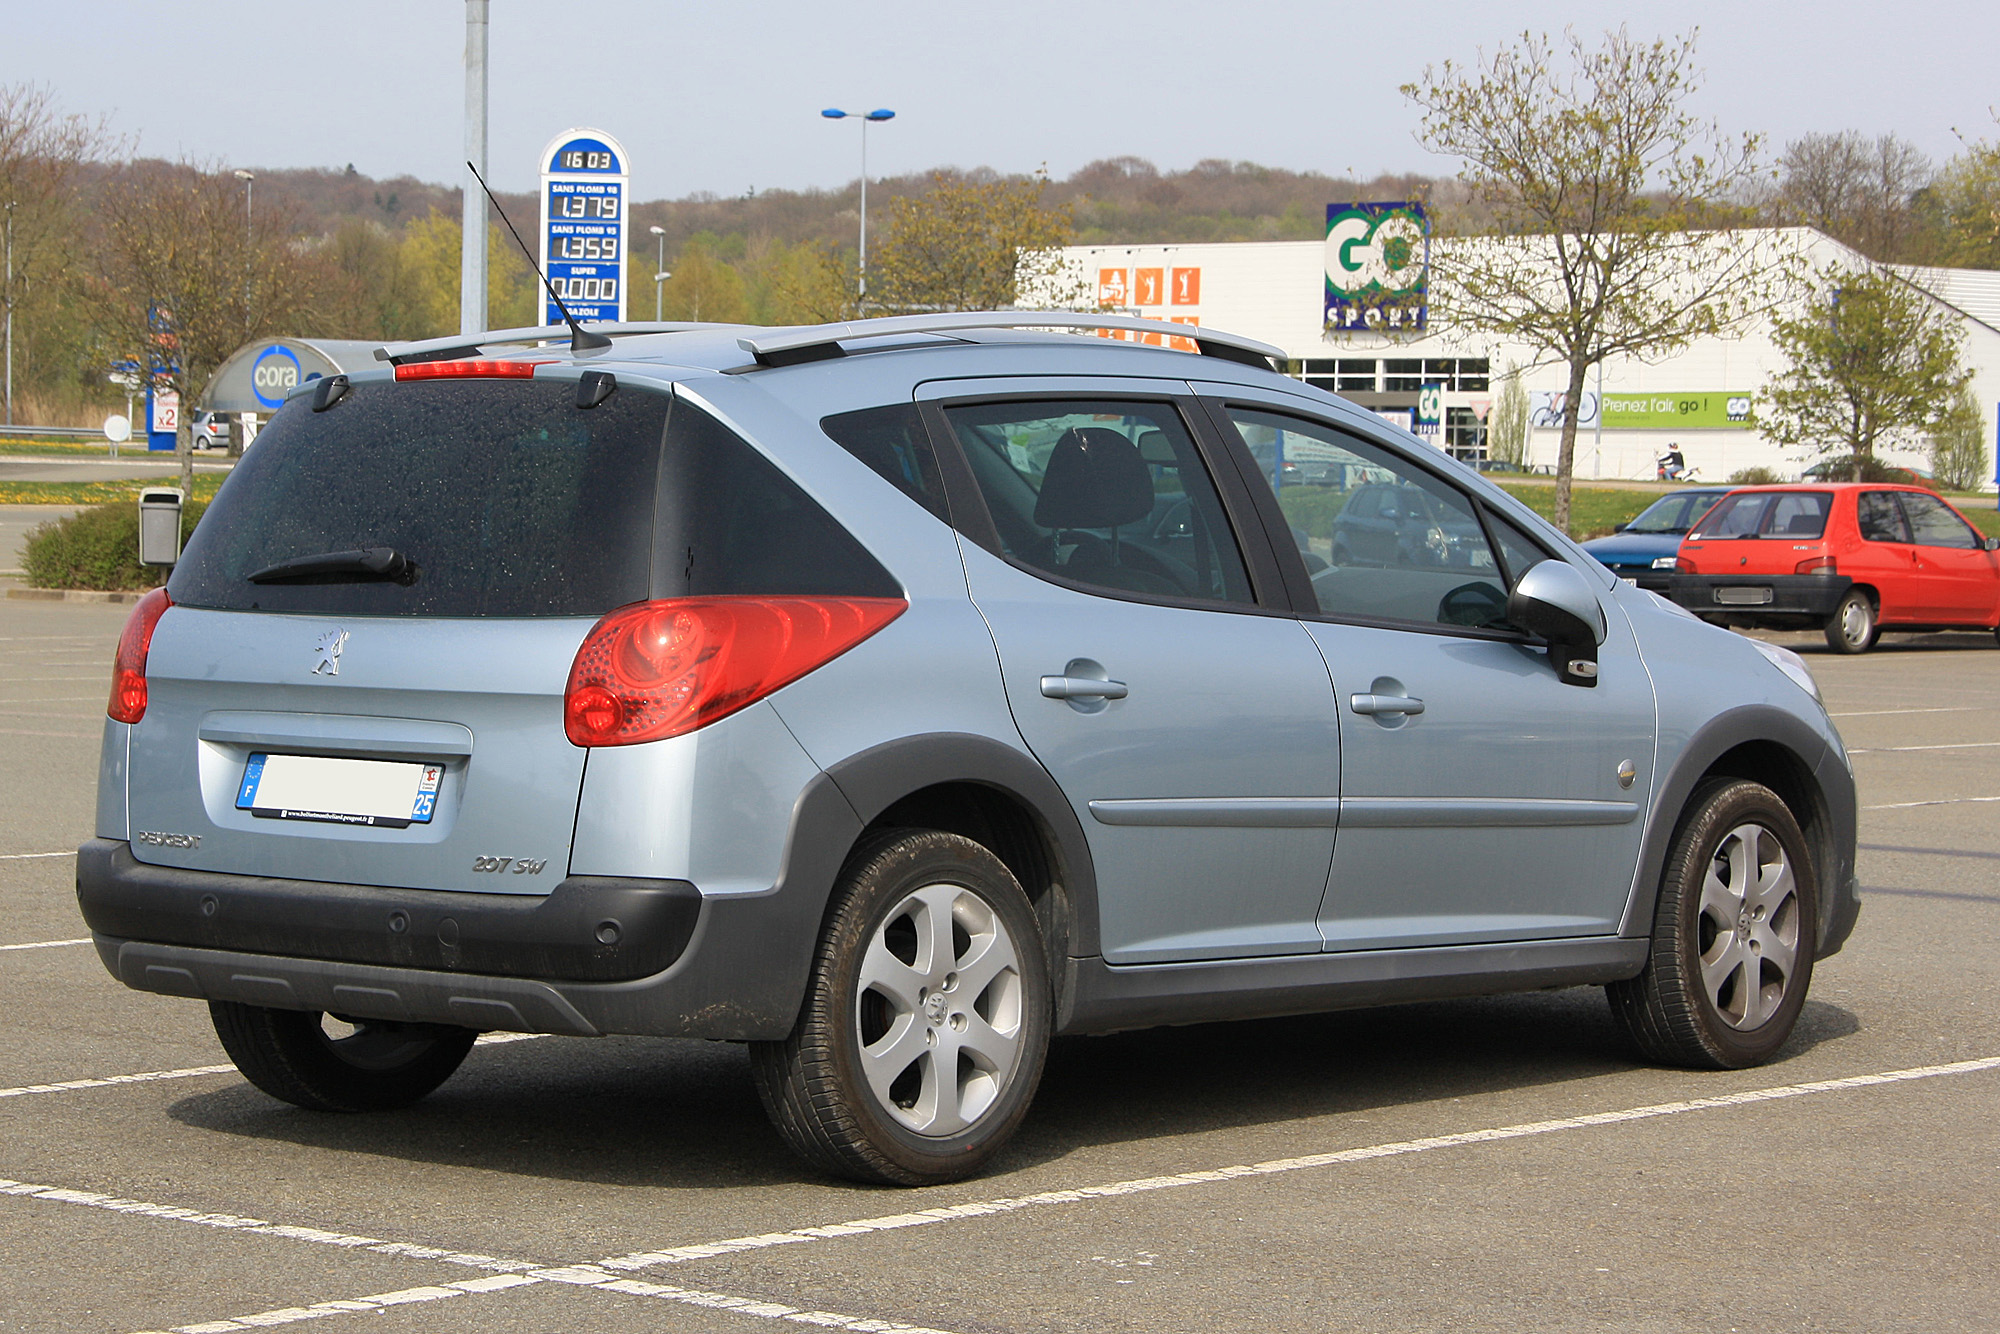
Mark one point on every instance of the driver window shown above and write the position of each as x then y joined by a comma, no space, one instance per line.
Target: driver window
1381,538
1934,525
1105,493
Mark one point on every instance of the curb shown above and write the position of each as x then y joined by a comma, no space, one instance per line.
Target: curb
70,595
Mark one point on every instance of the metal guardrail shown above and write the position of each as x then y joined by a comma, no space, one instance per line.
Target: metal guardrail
62,432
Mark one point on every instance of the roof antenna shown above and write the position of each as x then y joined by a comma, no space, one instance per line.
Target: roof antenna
579,337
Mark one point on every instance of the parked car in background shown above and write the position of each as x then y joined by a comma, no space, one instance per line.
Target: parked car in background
1642,552
211,430
1852,559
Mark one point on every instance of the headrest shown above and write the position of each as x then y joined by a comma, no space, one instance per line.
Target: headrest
1095,479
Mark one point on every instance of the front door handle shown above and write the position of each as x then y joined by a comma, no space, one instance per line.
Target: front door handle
1380,704
1084,687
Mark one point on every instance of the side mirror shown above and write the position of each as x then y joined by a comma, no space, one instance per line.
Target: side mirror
1617,527
1555,601
1993,544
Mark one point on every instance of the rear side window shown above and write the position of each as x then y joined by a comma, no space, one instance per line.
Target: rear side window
731,522
510,500
894,442
1877,515
1793,514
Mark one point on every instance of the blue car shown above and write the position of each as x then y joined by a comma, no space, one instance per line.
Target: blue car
1642,551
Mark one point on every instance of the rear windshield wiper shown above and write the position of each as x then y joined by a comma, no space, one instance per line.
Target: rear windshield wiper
385,563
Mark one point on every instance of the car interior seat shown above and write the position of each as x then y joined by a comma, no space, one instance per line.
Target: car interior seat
1096,478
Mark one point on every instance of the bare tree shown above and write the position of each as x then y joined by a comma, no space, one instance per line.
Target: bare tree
188,276
1612,201
41,151
1857,190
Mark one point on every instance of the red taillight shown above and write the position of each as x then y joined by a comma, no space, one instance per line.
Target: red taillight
657,669
1817,565
468,370
128,669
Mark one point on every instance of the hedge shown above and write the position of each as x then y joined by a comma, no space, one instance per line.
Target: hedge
97,548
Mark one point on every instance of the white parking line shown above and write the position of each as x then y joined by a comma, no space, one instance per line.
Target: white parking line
1878,713
374,1302
1947,745
90,1199
1939,801
46,944
982,1208
145,1077
33,856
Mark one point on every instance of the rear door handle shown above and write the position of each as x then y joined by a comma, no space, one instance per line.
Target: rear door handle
1373,704
1084,687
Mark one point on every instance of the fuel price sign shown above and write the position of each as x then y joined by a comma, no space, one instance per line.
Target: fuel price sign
584,180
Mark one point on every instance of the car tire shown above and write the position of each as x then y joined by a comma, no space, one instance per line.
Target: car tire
379,1066
1733,935
1852,628
858,1089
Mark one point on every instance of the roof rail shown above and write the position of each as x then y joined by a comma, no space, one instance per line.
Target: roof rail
463,345
820,342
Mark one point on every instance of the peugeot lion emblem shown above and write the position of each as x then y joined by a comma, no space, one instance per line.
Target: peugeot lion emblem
328,649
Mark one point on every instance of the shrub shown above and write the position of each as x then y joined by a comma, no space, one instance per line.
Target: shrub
1958,446
1754,477
97,548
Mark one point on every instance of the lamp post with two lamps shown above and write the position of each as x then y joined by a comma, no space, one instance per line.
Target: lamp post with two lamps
835,113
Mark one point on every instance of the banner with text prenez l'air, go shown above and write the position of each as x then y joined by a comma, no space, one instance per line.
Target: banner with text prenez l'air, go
1378,260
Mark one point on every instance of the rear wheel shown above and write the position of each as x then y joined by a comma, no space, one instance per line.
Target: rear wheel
1733,935
325,1064
1852,627
926,1021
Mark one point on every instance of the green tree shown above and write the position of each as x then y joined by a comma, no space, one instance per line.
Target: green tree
1608,196
973,245
705,286
1964,207
1871,359
808,283
1507,421
426,274
1958,445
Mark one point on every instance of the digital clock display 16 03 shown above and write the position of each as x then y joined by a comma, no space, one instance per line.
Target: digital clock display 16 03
584,178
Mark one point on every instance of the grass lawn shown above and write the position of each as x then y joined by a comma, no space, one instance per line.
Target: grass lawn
67,448
96,493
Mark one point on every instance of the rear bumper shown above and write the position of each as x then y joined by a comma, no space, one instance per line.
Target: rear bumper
1756,599
587,929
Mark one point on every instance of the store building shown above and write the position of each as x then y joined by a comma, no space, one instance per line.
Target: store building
1699,398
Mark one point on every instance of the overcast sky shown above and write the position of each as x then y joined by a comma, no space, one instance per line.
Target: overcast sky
725,97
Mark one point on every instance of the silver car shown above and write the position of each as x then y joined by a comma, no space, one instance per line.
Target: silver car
898,696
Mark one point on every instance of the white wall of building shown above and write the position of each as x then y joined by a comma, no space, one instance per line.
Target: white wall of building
1274,291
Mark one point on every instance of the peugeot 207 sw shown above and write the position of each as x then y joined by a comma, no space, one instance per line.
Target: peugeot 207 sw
897,696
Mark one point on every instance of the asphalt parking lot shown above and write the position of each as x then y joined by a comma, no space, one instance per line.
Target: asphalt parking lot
1496,1164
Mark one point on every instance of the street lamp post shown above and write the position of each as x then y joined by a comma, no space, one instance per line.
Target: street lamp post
249,179
10,312
835,113
659,271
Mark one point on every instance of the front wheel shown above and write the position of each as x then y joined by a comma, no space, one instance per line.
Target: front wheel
325,1064
926,1020
1733,935
1852,627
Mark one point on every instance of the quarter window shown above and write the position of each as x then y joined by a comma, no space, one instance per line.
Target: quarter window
1104,493
1875,513
1381,538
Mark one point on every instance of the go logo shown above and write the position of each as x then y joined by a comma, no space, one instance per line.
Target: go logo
1375,251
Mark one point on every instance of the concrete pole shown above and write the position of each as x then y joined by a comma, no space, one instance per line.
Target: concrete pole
10,314
472,254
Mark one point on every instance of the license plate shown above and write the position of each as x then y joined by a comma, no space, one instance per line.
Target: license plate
1628,579
384,793
1743,597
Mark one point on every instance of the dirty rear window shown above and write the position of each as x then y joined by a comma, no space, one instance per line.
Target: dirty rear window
510,499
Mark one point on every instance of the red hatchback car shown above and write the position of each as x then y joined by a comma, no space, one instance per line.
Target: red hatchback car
1853,559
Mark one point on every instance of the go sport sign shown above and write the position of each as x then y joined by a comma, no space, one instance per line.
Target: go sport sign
1378,260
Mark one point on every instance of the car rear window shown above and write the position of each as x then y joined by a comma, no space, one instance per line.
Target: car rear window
510,499
1794,514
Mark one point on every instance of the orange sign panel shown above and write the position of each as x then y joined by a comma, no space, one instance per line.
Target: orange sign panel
1112,289
1187,287
1148,287
1185,344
